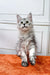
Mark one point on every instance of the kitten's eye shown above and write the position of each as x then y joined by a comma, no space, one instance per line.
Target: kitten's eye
21,22
27,22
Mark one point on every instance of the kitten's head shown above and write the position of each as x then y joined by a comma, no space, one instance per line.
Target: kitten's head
24,24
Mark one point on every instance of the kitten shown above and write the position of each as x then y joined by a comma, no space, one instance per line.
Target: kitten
26,43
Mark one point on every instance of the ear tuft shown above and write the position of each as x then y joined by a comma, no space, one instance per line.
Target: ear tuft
30,16
18,18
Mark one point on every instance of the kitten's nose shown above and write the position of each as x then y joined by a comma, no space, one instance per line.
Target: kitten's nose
24,24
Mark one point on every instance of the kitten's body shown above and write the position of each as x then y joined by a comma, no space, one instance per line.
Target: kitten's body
26,43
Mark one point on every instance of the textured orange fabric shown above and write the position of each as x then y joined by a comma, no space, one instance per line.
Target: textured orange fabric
11,65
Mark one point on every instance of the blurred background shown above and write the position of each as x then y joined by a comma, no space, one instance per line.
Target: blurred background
40,10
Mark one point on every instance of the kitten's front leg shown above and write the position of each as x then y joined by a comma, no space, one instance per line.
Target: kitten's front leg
24,59
32,55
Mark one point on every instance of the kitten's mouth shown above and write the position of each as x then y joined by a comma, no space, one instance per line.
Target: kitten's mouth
24,27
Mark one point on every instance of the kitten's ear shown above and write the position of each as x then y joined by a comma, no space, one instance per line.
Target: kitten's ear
30,16
18,18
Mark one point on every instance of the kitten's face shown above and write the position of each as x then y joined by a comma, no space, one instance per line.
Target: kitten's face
24,24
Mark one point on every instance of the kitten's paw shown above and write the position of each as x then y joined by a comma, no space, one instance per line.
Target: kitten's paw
32,61
24,64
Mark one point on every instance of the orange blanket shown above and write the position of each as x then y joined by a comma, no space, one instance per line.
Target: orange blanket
11,65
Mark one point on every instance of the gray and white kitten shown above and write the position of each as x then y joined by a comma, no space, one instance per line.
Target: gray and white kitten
26,44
